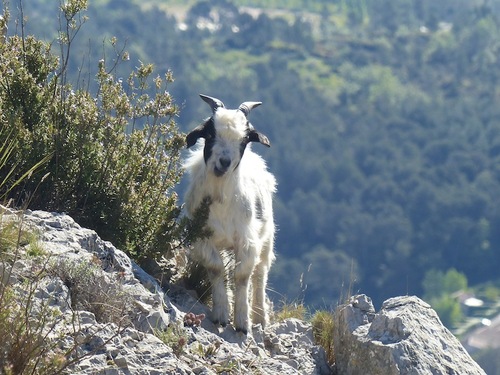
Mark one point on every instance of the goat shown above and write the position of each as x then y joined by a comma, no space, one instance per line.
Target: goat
240,218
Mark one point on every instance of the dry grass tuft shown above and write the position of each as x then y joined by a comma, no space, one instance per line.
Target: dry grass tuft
323,324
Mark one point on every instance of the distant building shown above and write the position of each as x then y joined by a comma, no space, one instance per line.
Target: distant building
483,337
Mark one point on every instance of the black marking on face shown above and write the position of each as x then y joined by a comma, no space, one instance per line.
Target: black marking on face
209,139
243,146
248,138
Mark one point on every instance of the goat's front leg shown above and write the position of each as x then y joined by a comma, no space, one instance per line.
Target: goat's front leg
245,263
210,257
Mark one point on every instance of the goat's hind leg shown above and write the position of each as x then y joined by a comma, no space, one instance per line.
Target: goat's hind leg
259,282
245,262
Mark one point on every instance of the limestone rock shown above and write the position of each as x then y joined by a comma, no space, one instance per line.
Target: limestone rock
404,337
153,338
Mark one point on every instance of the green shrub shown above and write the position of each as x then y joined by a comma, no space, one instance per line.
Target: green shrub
29,326
11,174
113,156
437,283
448,309
439,288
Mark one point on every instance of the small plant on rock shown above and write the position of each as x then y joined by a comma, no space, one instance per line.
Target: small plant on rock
287,310
193,320
323,323
29,342
175,337
92,290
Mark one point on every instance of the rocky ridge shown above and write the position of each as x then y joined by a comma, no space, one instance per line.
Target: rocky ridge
153,339
144,330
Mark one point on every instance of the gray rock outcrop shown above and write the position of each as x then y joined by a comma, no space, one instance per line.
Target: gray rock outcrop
404,337
114,318
148,336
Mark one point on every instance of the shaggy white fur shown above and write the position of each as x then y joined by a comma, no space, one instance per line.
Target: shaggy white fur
241,214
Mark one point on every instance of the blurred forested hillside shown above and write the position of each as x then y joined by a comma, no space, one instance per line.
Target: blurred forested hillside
384,118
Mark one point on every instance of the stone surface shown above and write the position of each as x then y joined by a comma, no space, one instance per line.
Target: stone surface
404,337
133,345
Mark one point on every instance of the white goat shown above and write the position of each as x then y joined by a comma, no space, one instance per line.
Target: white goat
241,215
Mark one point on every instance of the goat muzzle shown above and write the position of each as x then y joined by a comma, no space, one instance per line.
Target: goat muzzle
222,166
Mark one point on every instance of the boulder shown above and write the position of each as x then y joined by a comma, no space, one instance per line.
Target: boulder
404,337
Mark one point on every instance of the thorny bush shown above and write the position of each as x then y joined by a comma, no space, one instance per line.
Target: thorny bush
113,155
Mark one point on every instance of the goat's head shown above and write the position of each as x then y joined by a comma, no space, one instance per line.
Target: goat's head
227,133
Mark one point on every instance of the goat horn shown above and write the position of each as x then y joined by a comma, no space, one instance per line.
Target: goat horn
214,103
246,107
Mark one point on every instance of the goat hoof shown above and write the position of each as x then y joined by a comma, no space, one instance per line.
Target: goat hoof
242,330
218,323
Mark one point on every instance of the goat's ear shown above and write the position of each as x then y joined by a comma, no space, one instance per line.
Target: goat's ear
195,134
255,136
